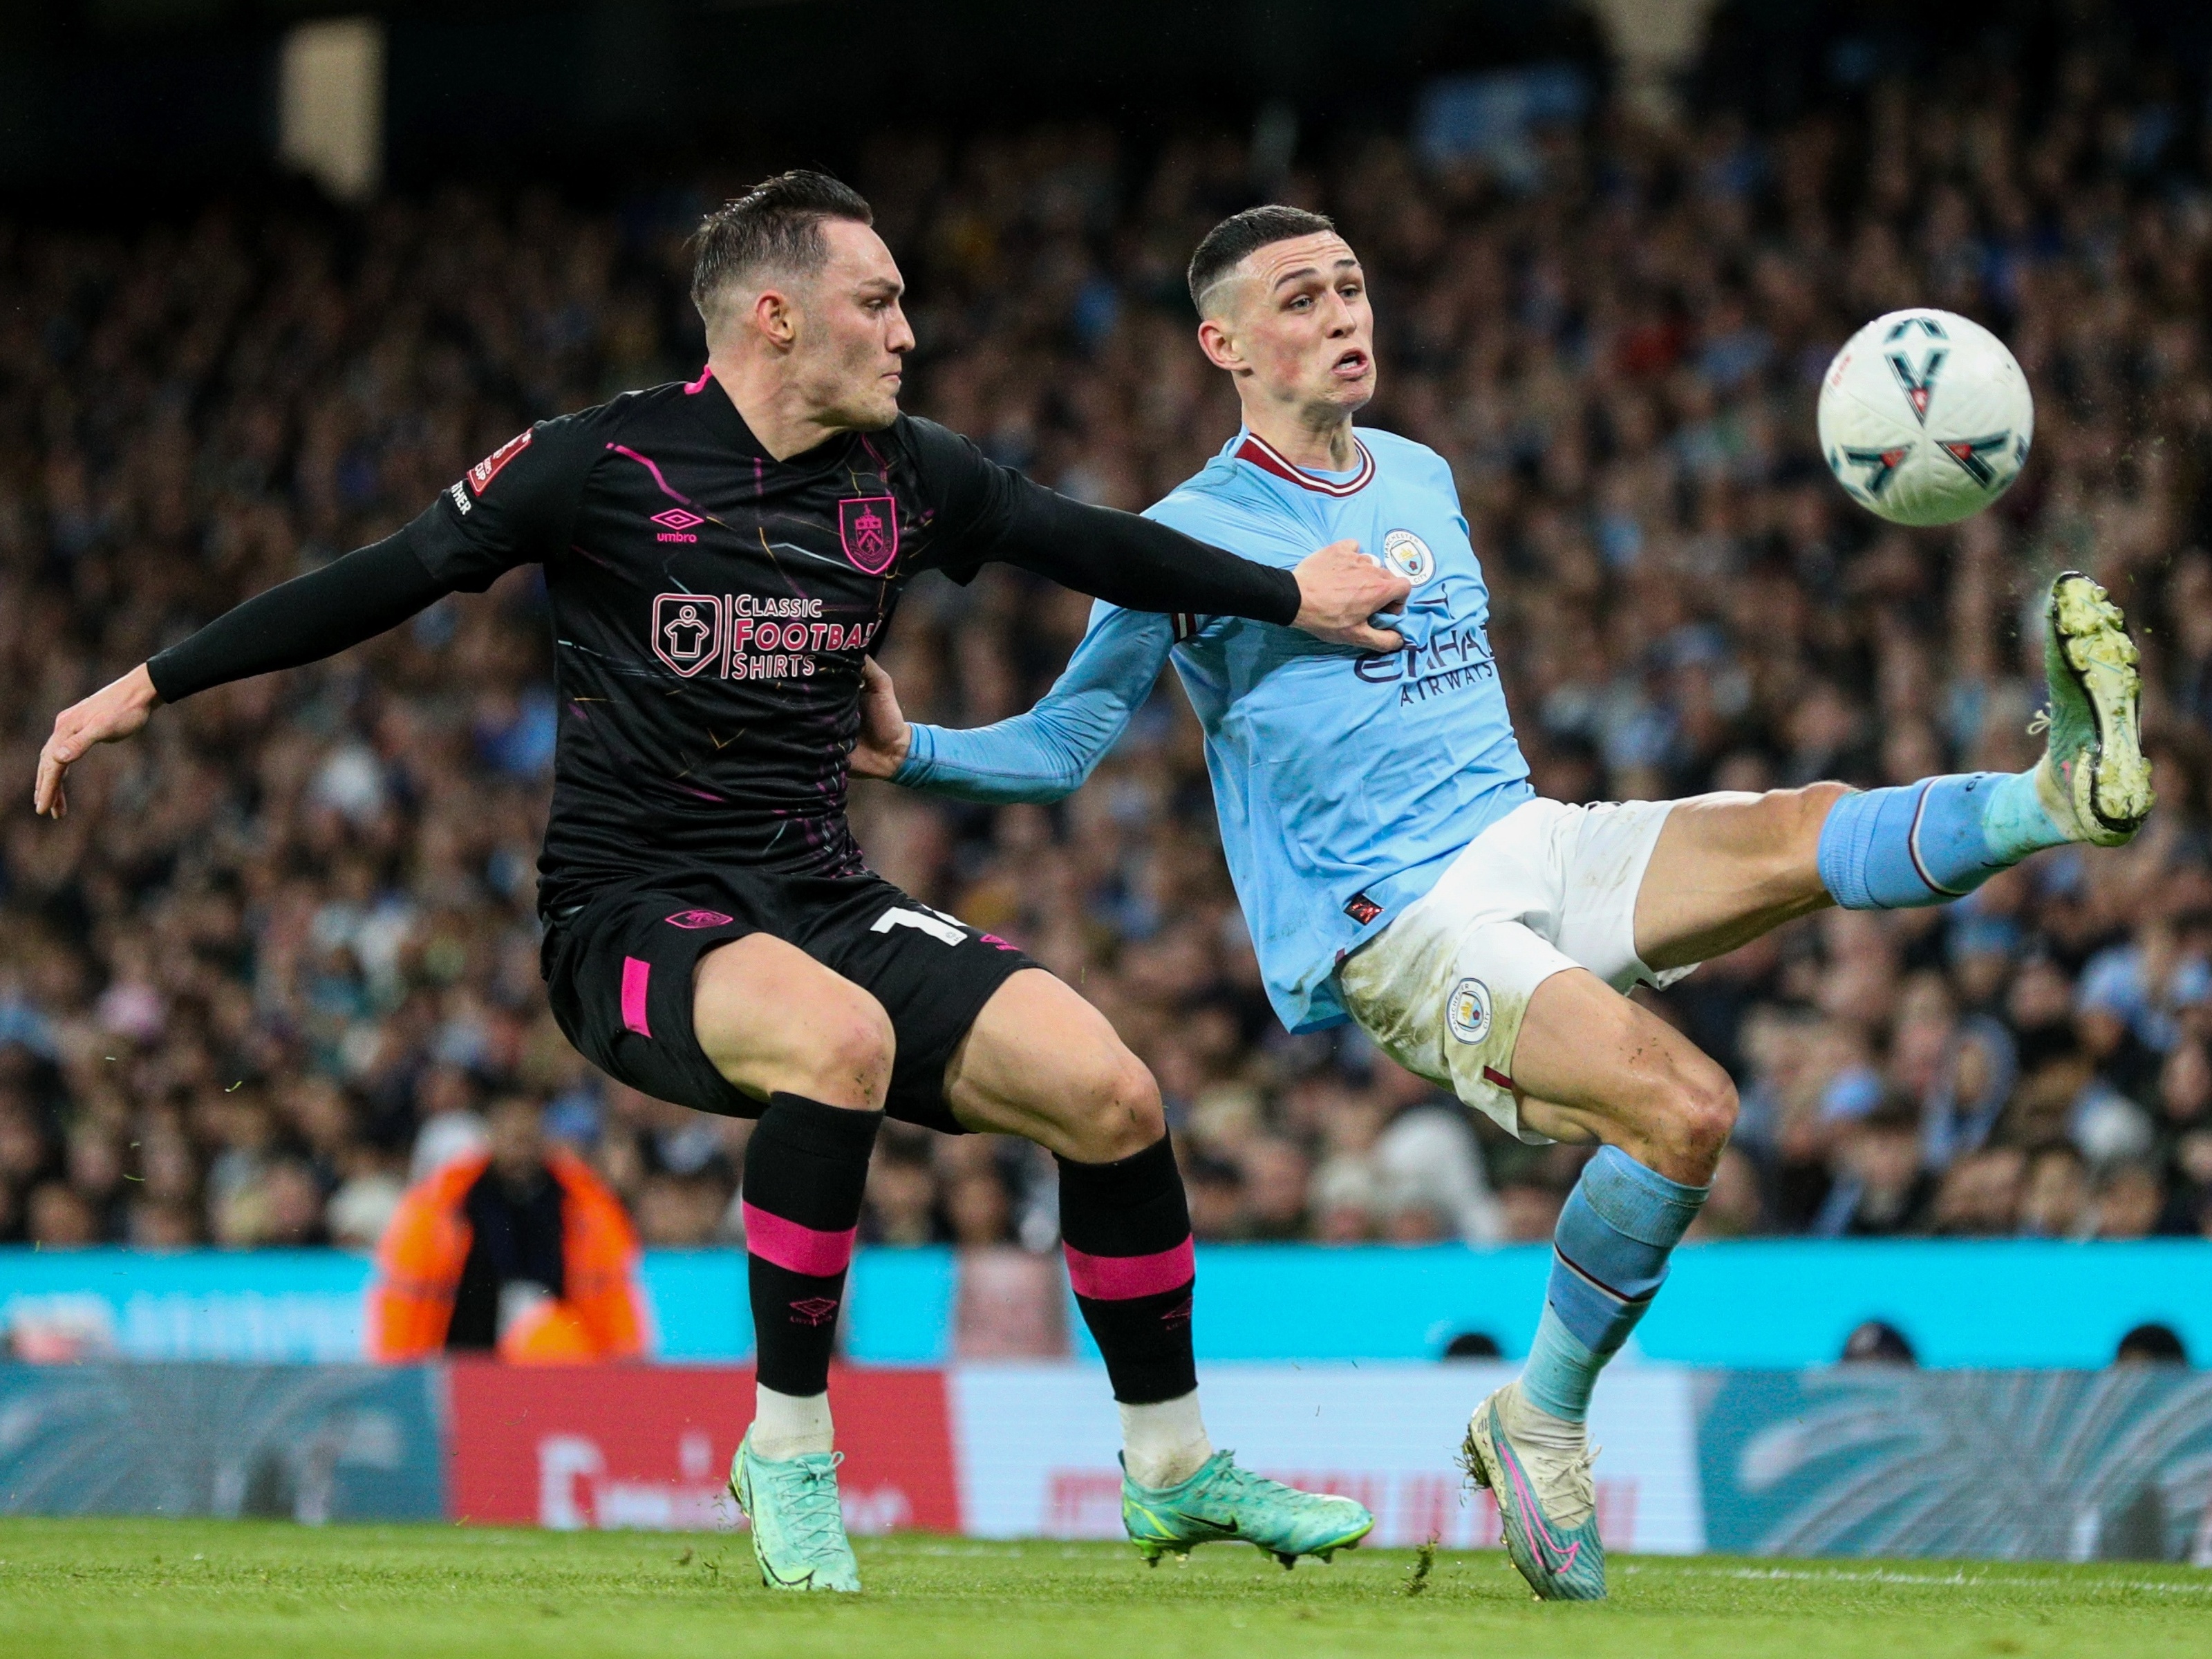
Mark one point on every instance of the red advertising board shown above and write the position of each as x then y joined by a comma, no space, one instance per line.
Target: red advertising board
650,1446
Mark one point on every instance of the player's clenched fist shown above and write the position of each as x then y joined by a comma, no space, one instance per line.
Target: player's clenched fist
115,711
1339,588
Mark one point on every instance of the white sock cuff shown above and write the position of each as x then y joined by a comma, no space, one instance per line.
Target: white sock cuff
1164,1443
789,1425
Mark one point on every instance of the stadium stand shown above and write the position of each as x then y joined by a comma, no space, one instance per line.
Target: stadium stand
283,954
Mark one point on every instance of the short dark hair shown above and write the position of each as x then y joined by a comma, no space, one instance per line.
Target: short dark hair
1241,234
777,223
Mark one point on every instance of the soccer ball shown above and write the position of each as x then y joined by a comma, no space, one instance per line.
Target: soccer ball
1925,418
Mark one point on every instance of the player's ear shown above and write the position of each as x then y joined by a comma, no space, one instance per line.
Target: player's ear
1220,344
775,316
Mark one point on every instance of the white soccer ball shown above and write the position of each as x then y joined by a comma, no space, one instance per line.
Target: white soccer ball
1925,418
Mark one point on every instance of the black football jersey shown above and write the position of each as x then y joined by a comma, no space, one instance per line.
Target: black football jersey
711,609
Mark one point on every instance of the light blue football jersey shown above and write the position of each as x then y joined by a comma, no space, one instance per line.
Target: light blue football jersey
1346,782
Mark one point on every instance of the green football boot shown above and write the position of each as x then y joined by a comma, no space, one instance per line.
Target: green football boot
1223,1502
2092,780
798,1528
1546,1503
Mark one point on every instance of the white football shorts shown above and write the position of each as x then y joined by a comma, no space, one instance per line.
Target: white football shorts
1443,988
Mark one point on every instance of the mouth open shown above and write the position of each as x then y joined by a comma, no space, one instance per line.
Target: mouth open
1350,365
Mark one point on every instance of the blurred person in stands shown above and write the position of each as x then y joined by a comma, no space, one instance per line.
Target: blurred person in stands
2185,1120
1217,1198
158,1224
1880,1189
682,1211
1979,1197
1528,1211
1275,1173
2055,1203
2130,1200
1735,1208
1430,1164
60,1219
901,1194
519,1249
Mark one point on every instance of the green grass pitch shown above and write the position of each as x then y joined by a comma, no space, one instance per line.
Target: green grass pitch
140,1587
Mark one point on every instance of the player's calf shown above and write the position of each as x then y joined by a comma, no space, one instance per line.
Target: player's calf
1126,1229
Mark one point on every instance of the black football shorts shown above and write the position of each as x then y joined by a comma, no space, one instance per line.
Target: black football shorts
618,972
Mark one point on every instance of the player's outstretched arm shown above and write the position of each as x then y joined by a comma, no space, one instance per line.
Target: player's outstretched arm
1138,563
1142,565
302,621
1038,756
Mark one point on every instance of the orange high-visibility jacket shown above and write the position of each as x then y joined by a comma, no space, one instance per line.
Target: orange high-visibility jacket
419,1262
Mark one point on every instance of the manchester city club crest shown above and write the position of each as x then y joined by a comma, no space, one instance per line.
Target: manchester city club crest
1466,1011
1409,555
867,526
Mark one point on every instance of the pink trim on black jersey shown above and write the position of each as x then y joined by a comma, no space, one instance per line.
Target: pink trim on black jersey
1265,456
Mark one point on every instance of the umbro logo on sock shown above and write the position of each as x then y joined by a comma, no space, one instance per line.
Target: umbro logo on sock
819,1310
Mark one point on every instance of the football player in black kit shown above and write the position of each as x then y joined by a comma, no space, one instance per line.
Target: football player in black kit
720,556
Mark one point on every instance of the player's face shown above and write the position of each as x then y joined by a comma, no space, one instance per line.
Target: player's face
856,336
1298,322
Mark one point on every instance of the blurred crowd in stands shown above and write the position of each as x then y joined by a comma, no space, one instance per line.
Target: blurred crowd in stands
282,954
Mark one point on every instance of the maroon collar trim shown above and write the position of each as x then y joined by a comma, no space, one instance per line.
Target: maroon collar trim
1265,456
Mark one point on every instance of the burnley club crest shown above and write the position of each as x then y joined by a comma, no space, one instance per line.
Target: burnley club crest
867,526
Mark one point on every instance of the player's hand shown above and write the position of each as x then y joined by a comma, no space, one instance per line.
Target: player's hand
1339,588
112,712
885,735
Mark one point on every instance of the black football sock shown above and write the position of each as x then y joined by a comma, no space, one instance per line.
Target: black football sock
1128,1233
805,1169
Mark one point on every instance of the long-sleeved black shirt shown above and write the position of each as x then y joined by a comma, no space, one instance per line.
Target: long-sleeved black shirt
711,608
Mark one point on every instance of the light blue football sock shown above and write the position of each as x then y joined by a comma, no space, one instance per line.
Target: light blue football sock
1608,1259
1927,842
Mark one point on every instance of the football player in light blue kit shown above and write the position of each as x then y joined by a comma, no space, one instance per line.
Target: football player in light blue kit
1395,867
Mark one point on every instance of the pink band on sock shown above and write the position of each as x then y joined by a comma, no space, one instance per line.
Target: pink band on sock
637,976
798,1249
1118,1278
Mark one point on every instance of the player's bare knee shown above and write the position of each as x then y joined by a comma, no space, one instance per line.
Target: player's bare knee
1702,1111
1122,1113
853,1048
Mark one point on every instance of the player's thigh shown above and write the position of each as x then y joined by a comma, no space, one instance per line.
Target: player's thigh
1728,867
1042,1063
773,1020
1590,1064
